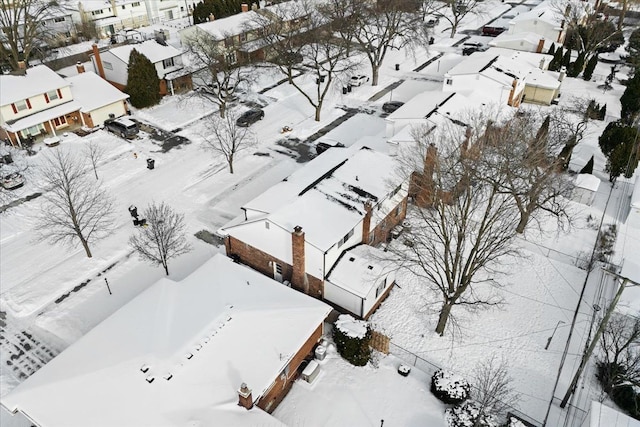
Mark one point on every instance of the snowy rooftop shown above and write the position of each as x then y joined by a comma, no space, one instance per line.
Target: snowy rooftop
43,116
544,12
153,50
232,25
588,181
474,63
36,81
635,196
543,79
236,324
93,92
604,416
90,5
529,37
359,270
420,105
325,198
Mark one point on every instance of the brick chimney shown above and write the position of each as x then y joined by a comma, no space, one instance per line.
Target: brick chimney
511,101
299,276
366,222
244,396
425,190
540,46
98,63
245,7
80,67
22,65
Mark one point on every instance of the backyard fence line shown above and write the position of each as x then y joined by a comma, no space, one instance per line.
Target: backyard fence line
430,368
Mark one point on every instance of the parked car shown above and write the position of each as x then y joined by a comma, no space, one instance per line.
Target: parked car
250,117
358,80
471,47
432,22
122,126
391,106
12,181
321,147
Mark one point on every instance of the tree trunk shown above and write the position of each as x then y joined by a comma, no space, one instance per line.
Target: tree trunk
166,267
223,109
231,166
290,77
565,155
375,71
318,108
95,171
454,28
444,316
85,245
524,219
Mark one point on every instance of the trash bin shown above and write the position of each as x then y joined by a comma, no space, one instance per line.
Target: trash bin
431,40
397,67
349,87
344,90
133,211
322,77
150,163
321,352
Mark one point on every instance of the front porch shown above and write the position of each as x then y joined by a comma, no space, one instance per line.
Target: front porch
36,128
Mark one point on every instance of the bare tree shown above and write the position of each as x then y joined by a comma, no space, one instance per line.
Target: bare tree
453,11
74,207
22,30
492,390
377,27
520,159
568,125
619,359
464,225
224,136
162,238
95,153
221,74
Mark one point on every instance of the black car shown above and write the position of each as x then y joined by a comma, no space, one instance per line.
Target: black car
321,147
391,106
250,117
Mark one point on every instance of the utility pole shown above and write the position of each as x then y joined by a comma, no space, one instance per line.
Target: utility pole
603,324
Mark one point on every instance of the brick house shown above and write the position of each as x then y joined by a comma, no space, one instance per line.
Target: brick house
182,353
299,229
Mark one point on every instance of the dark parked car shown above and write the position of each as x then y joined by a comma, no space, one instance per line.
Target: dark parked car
321,147
250,117
391,106
122,126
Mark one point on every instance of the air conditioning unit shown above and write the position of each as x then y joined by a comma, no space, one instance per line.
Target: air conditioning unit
311,371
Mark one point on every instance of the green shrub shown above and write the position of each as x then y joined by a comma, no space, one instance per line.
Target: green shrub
352,338
627,399
449,387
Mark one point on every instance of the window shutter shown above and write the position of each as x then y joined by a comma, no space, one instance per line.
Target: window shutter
59,94
15,110
46,98
28,103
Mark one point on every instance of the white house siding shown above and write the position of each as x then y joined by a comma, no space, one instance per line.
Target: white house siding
545,29
343,298
522,45
538,95
38,103
118,71
313,261
101,114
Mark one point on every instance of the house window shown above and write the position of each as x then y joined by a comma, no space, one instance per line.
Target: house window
21,105
266,225
96,12
107,65
60,121
231,58
228,41
33,130
59,19
52,95
395,191
398,210
449,81
136,4
381,287
346,237
242,37
123,7
167,63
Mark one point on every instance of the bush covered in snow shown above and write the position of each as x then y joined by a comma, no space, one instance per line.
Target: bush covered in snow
352,338
468,414
449,387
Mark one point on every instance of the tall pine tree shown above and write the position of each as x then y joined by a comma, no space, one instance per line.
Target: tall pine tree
566,59
556,62
591,66
552,49
143,84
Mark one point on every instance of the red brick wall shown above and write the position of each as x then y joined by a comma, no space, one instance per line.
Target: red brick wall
280,387
255,258
382,230
298,276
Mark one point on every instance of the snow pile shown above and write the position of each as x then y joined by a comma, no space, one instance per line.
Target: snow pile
351,327
449,387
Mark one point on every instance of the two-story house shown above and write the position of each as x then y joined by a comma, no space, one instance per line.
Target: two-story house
111,16
112,63
37,103
544,21
298,230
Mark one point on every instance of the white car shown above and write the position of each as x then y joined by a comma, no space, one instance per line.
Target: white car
12,181
358,80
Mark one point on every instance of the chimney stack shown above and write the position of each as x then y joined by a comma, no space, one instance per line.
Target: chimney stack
212,17
245,7
244,397
80,67
366,222
540,46
563,73
511,101
98,63
22,65
426,187
298,276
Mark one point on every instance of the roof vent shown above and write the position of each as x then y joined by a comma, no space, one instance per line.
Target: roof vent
144,368
198,347
370,267
150,379
188,355
352,259
167,376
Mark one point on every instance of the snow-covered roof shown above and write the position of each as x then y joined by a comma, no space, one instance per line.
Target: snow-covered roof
420,105
529,37
359,270
327,201
473,64
43,116
635,196
153,50
604,416
36,81
93,92
89,5
232,25
542,79
236,324
544,13
588,182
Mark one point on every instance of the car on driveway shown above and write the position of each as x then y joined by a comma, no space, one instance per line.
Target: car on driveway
358,80
122,126
323,146
432,22
391,106
250,117
12,181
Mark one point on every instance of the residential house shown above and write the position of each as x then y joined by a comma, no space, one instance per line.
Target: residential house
601,415
586,187
299,229
112,63
111,16
220,347
633,218
528,42
38,103
544,21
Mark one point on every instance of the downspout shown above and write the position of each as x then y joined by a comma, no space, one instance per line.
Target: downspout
53,129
